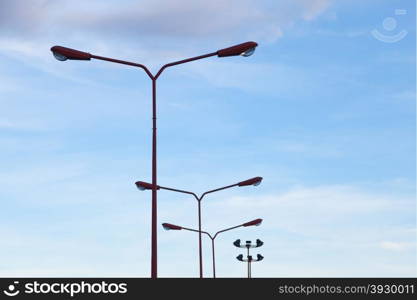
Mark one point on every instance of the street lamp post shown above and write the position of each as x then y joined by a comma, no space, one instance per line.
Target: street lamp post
255,181
168,226
249,258
63,53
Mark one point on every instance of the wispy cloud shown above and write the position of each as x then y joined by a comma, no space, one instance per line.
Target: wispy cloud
152,32
182,19
396,246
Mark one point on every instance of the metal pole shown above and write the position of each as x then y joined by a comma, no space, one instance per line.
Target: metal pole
247,247
200,247
154,253
248,270
214,260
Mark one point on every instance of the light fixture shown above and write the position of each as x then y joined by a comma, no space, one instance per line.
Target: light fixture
253,181
141,185
259,243
244,49
63,53
237,243
168,226
255,222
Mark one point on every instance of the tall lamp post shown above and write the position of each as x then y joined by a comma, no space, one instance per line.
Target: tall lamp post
255,181
63,53
168,226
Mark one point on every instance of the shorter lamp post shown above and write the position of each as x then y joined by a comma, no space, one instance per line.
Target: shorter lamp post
255,181
249,258
168,226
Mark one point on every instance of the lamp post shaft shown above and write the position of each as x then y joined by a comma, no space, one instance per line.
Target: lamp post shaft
248,263
154,253
200,247
214,259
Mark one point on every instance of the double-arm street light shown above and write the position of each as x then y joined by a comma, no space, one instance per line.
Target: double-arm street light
147,186
63,53
168,226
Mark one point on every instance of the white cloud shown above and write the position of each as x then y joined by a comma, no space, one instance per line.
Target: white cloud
152,32
313,8
337,199
203,21
396,246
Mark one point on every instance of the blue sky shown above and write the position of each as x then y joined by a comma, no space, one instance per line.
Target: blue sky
323,110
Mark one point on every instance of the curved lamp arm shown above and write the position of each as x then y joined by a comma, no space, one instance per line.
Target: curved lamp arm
227,229
194,230
182,62
179,191
118,61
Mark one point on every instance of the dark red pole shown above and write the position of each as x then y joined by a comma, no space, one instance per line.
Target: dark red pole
200,247
214,260
154,252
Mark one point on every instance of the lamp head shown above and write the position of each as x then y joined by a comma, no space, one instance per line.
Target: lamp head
168,226
255,222
244,49
237,243
260,257
63,53
240,257
259,243
141,185
253,181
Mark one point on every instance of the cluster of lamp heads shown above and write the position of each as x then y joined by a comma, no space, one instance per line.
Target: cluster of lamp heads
249,245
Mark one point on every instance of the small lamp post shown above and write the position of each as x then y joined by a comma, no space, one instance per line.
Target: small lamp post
249,259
